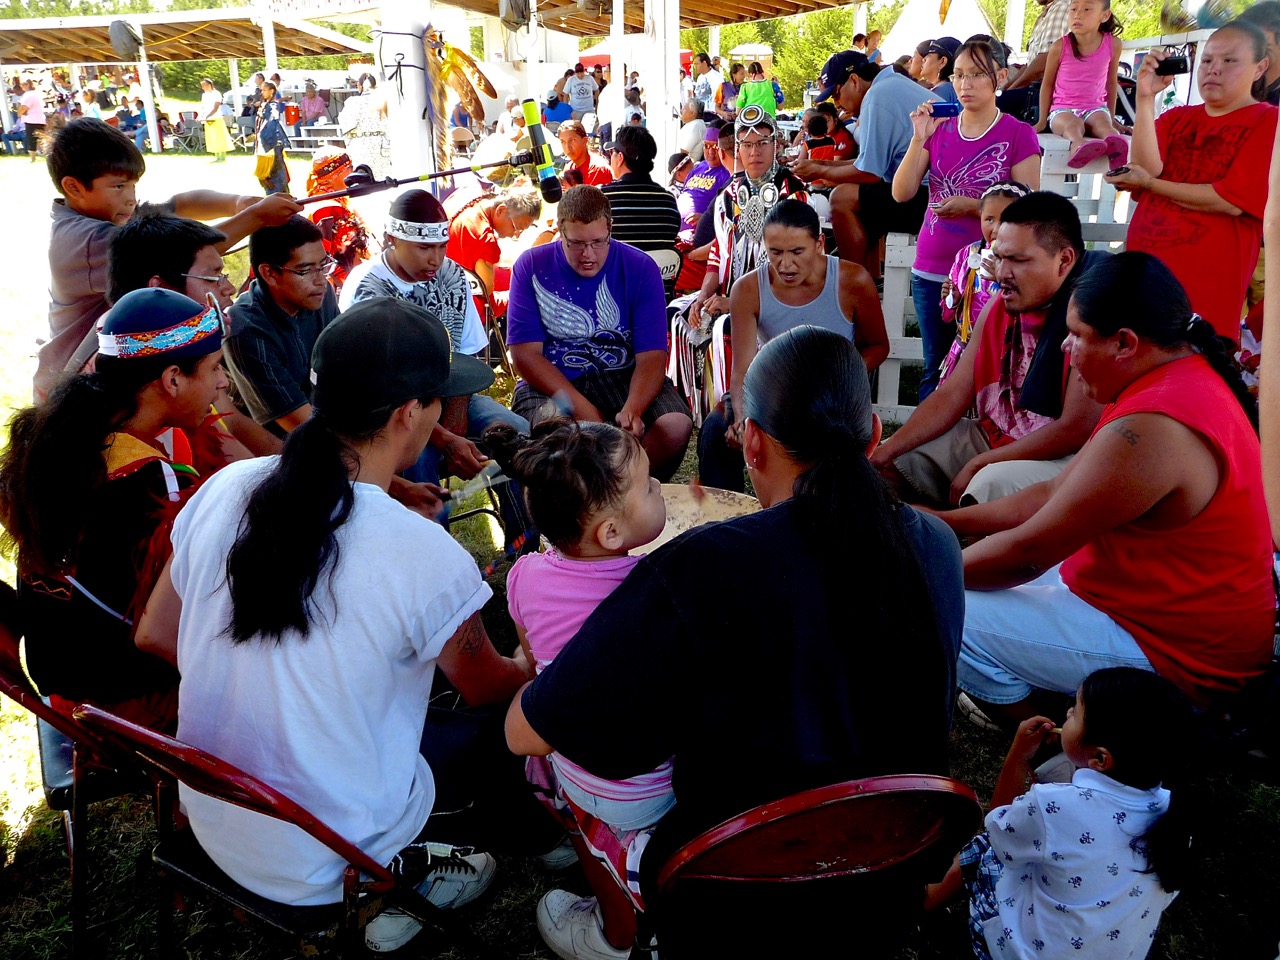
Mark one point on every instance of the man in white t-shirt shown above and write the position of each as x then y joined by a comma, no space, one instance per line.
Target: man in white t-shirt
583,91
413,267
308,633
707,81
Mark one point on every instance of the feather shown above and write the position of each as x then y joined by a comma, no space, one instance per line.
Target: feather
461,59
437,104
465,91
943,8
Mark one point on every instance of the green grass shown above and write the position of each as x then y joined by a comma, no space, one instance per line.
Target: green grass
1230,913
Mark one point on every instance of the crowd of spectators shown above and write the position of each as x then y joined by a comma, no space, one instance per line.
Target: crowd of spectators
219,505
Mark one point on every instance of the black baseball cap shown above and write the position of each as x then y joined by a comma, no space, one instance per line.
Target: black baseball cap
385,351
944,46
839,68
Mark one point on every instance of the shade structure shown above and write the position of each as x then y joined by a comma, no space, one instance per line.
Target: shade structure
599,55
174,36
919,21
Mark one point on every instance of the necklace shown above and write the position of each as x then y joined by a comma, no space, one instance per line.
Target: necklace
960,127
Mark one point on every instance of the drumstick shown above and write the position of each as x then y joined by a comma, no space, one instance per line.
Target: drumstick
1057,730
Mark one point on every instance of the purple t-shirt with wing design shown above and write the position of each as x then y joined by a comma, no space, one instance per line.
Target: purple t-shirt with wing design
964,168
588,324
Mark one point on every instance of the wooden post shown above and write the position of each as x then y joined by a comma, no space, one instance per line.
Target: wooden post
233,69
412,149
148,99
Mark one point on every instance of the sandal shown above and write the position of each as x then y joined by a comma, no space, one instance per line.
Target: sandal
1117,150
1086,153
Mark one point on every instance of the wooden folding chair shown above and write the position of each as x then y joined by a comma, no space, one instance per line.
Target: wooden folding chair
895,826
367,886
77,768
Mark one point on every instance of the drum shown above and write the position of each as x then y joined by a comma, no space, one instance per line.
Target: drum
686,511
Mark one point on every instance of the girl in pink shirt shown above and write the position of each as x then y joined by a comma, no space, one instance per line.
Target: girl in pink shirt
1078,93
589,492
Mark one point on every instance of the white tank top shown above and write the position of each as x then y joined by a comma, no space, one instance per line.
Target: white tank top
822,311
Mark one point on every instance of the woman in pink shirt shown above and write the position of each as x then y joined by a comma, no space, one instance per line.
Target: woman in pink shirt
962,156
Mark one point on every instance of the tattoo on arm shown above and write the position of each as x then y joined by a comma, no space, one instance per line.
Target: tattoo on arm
472,638
1125,432
454,415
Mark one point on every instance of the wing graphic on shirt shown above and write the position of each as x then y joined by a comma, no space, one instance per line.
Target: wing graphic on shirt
971,178
561,319
608,316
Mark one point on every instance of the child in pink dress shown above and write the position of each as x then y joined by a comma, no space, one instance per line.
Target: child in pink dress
971,282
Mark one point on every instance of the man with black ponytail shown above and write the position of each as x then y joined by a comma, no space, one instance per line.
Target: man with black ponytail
827,654
1152,548
307,611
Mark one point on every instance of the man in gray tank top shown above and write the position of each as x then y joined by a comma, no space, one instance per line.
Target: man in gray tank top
797,284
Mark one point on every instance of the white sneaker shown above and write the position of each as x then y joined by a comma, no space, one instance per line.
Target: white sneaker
452,884
560,857
573,929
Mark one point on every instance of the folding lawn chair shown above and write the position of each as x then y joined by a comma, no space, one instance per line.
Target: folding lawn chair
367,887
887,834
77,769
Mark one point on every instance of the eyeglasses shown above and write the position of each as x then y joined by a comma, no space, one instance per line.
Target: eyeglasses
324,268
753,145
220,278
582,246
960,78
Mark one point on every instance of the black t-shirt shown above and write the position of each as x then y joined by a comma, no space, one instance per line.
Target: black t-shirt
76,649
736,650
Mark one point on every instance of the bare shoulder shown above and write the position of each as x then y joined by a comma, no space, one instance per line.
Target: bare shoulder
855,275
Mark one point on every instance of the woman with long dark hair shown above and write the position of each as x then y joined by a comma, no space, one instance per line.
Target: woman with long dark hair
823,652
307,611
85,488
1152,548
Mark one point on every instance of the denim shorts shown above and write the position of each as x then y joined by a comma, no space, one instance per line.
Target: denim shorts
621,815
1038,635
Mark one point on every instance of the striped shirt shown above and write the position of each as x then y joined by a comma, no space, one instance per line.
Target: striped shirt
644,214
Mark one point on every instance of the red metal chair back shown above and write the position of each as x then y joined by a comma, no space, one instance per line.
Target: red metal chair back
856,827
207,774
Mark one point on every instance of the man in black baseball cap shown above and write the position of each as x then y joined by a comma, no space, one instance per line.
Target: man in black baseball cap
385,351
862,206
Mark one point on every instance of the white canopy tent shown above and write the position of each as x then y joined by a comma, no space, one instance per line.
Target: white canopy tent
919,21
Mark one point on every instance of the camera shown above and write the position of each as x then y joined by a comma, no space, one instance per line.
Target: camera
1176,63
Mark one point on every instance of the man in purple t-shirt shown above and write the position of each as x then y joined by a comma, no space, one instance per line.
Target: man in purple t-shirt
587,326
704,182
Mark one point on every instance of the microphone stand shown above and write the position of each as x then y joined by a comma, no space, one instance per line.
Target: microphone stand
361,182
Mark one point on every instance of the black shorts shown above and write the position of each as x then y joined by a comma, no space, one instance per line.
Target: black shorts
881,214
607,392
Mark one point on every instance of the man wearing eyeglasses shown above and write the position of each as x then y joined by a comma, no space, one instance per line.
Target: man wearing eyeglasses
275,323
158,249
588,331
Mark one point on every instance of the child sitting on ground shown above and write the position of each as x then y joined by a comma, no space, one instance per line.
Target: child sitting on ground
1078,93
96,168
972,280
1089,865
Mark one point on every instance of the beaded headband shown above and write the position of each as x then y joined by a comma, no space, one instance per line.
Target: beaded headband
150,343
418,232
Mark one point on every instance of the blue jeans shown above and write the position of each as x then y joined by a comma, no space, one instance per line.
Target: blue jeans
719,465
481,412
140,138
936,334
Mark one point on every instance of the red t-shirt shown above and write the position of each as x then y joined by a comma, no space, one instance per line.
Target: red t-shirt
1197,598
597,172
472,238
844,143
1213,255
